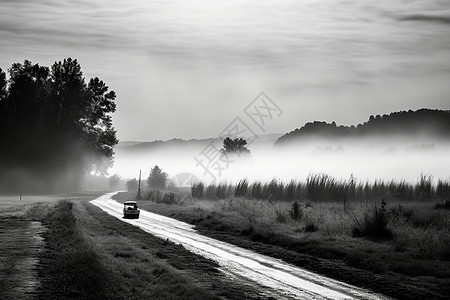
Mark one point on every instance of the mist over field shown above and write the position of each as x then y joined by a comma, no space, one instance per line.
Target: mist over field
397,158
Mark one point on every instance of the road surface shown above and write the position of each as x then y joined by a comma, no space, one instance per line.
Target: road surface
273,277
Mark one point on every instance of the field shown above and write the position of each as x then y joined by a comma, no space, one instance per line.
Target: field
390,245
61,246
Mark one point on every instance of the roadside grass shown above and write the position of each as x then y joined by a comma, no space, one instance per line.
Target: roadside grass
142,266
23,242
131,257
70,268
13,205
413,258
91,255
88,254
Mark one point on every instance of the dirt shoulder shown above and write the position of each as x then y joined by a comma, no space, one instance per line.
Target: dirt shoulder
20,244
324,258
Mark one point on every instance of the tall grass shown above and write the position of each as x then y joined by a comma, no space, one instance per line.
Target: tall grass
443,190
323,187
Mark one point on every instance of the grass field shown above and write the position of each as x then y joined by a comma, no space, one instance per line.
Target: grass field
84,253
22,242
400,249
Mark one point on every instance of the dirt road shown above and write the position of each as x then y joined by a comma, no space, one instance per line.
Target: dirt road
276,278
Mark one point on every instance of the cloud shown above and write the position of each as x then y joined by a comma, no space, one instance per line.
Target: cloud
440,19
165,53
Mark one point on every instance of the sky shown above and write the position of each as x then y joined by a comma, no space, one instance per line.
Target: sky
186,69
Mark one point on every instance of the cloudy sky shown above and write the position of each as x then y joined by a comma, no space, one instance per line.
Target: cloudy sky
186,69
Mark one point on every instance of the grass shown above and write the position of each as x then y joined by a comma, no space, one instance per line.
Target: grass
148,267
322,187
71,268
374,225
91,255
100,262
402,249
87,254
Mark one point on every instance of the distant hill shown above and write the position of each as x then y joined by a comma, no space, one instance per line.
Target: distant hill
423,122
161,145
123,144
179,144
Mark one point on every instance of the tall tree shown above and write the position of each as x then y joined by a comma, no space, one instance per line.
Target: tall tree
25,103
234,146
157,178
3,85
3,95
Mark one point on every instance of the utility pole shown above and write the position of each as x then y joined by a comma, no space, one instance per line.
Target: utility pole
139,186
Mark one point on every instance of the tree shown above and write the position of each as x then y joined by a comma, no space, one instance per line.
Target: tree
83,112
3,85
234,146
24,103
57,126
132,184
157,178
114,181
3,94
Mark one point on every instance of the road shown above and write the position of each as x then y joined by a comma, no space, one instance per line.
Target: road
273,277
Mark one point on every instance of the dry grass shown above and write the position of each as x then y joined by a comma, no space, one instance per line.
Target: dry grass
411,267
414,227
322,187
90,255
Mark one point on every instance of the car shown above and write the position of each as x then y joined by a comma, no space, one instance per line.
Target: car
131,210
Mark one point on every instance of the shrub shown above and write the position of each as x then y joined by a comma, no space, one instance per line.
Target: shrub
155,196
311,227
170,198
296,212
443,205
374,225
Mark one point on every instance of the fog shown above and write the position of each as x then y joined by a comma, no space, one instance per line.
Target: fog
366,160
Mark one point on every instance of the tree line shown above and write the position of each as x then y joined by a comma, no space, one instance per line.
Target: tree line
434,123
